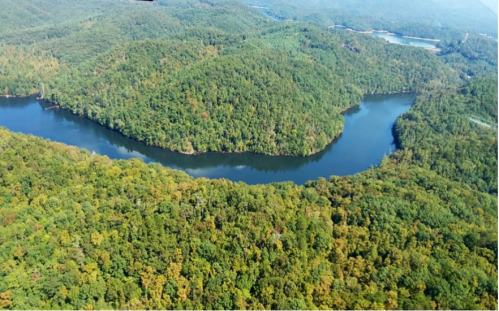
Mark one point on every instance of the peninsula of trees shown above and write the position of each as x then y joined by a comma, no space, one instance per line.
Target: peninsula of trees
156,75
81,231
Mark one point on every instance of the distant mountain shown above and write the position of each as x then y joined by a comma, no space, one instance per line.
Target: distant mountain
467,15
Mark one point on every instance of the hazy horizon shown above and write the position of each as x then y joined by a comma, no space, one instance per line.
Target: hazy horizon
491,4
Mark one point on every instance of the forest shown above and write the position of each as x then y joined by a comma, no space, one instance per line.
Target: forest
461,26
82,231
423,18
475,57
454,132
279,92
159,75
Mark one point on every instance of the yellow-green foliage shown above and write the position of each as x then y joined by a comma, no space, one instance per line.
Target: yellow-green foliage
81,231
22,70
454,133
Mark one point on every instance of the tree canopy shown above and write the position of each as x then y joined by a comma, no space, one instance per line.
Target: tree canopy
80,231
157,74
454,132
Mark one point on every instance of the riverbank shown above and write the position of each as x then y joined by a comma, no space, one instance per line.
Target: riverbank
15,96
382,31
55,105
374,93
364,140
49,105
424,39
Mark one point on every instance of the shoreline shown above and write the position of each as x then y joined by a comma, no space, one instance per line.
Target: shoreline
287,155
382,31
56,105
16,96
418,38
291,155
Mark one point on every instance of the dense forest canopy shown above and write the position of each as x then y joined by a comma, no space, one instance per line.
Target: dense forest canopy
84,37
473,57
466,47
277,92
80,231
26,14
454,132
194,77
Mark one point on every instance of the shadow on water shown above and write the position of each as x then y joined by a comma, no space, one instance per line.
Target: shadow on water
182,161
366,139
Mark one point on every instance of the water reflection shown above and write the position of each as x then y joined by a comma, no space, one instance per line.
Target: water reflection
397,39
366,139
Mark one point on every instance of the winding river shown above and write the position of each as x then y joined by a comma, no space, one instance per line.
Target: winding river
367,137
390,37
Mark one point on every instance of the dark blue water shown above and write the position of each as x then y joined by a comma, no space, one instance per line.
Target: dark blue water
366,139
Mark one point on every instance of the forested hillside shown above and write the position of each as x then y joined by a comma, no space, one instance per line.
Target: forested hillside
464,44
454,133
158,74
25,14
475,57
280,91
22,70
84,232
194,76
329,16
420,16
81,231
83,37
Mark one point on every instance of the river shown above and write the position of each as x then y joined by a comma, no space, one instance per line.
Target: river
397,39
390,37
367,137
